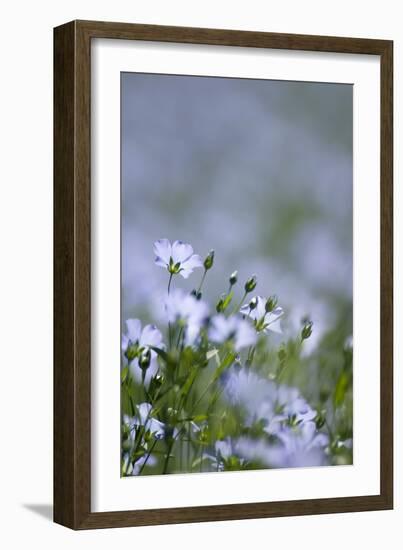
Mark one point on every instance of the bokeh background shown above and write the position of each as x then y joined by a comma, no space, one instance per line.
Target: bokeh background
258,170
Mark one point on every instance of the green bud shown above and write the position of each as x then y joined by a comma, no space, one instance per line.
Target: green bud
253,303
131,351
320,419
233,278
209,261
220,305
145,359
250,284
271,303
306,330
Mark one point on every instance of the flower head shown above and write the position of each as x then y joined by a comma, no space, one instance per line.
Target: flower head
233,328
264,320
177,257
136,343
188,311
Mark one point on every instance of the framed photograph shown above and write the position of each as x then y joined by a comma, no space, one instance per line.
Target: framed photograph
223,315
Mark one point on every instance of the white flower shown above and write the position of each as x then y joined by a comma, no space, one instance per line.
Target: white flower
190,313
264,321
134,341
232,328
177,257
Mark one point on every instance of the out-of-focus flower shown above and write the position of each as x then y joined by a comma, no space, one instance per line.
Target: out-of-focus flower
177,257
224,449
292,407
296,447
135,341
189,312
264,320
243,387
232,328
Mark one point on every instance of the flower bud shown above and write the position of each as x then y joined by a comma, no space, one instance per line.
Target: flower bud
209,261
220,305
233,278
145,359
250,284
271,303
253,303
306,330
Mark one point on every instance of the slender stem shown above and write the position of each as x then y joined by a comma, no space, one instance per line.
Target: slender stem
148,456
238,307
202,280
169,282
165,468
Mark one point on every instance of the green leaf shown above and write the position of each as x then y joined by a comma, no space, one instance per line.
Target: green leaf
162,353
226,362
124,373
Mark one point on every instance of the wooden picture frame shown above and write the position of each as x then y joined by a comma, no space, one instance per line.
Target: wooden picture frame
72,273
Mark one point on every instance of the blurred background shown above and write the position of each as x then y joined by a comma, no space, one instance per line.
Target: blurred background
260,171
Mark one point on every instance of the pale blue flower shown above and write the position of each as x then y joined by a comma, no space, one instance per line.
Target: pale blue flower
223,450
232,328
134,341
264,321
150,424
190,313
177,257
299,446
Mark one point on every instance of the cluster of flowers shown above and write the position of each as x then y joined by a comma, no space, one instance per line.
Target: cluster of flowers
180,391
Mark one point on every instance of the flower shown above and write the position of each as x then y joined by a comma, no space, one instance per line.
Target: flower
243,387
133,469
264,320
177,257
188,311
224,451
232,328
135,341
143,418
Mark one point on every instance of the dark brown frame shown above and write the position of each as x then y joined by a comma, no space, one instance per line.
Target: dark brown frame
72,268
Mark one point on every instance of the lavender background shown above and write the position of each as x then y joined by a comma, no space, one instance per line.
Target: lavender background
258,170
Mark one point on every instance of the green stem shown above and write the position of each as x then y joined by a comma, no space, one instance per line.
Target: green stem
148,456
169,324
169,282
202,281
238,307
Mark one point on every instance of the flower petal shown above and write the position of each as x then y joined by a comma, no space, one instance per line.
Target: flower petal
181,251
151,336
245,335
159,261
133,331
163,250
189,265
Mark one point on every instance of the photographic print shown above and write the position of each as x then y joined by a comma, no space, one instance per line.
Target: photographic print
236,274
